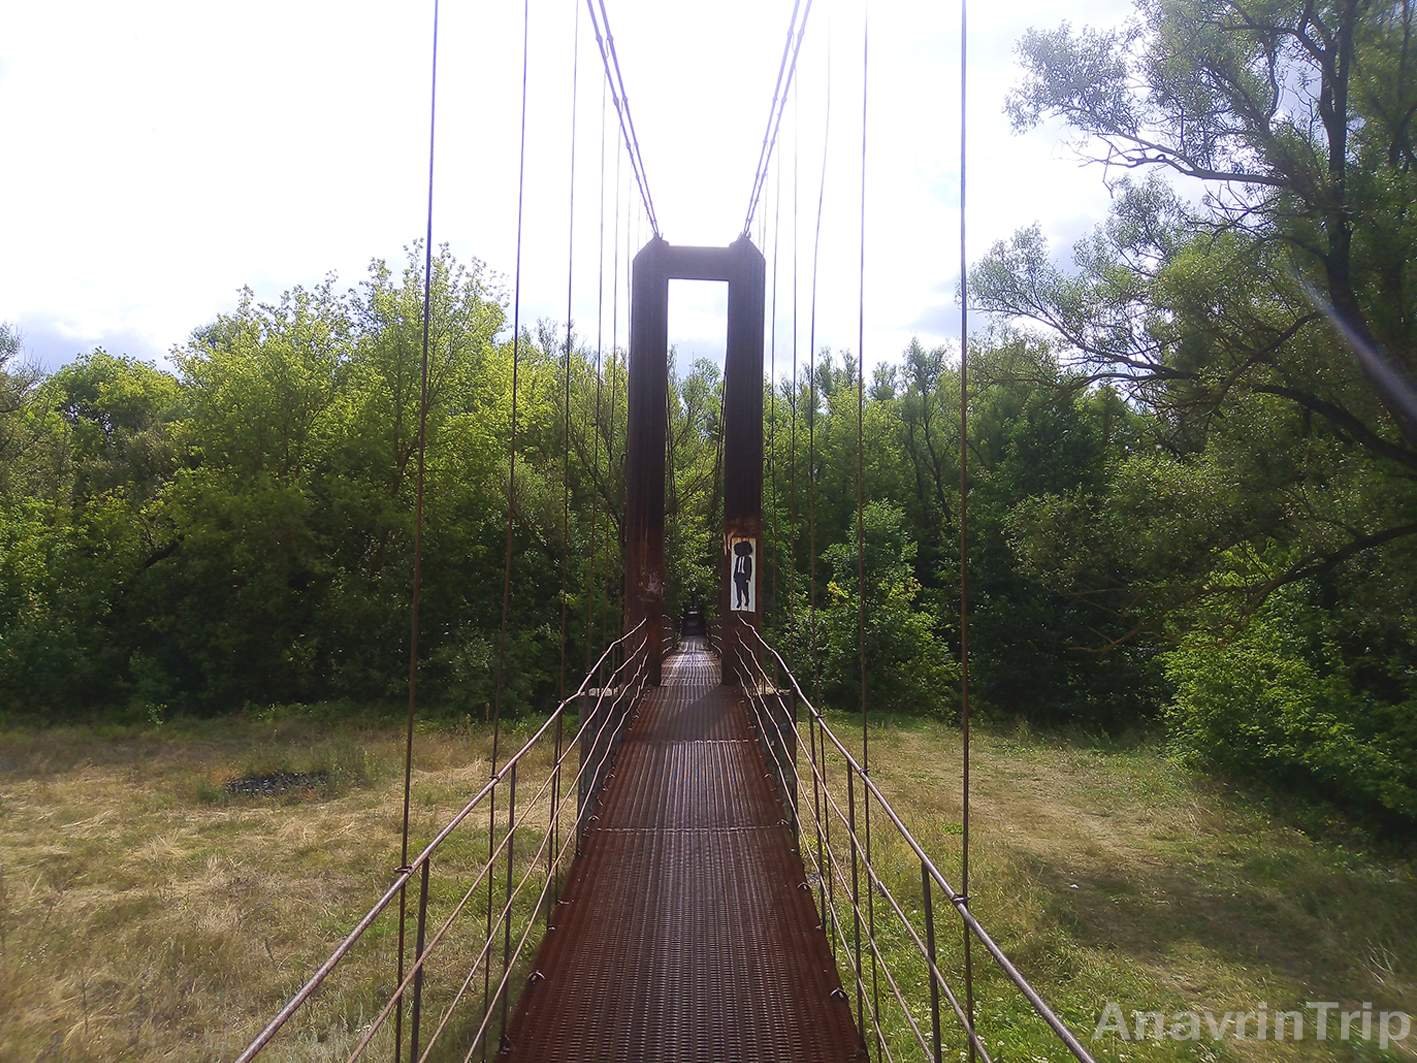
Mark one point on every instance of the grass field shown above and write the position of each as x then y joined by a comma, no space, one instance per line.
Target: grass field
1108,873
147,913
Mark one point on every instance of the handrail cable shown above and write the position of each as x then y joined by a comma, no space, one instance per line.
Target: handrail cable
501,992
938,978
486,869
415,593
610,58
406,872
506,912
957,899
776,106
756,693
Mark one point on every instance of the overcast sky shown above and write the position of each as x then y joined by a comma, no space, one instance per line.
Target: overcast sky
160,155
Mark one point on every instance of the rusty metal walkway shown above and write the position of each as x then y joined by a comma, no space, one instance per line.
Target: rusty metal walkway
683,932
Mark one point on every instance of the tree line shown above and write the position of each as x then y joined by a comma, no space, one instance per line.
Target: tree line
1192,455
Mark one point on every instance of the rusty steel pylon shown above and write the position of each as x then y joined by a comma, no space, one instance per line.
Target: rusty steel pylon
740,571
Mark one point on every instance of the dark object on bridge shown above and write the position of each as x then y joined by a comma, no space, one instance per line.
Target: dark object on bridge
683,933
741,265
693,622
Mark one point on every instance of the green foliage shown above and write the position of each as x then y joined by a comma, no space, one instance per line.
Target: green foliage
909,667
1278,695
1254,535
60,570
119,415
1191,478
694,489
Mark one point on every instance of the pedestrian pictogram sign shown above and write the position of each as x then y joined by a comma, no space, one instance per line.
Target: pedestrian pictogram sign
742,561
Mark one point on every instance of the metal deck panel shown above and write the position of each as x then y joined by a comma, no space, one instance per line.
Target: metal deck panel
682,933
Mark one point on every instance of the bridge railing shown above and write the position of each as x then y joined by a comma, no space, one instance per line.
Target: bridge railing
669,632
913,971
510,909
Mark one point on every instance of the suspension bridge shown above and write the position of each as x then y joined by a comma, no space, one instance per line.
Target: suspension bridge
685,860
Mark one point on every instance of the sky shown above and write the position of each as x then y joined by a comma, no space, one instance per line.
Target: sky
159,156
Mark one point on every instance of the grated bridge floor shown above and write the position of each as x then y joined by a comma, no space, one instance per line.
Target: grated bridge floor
682,934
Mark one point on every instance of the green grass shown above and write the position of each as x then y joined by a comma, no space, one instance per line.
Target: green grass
1109,873
147,913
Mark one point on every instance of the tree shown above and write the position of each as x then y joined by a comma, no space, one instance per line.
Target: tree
1239,310
17,383
1257,340
1297,118
910,669
122,416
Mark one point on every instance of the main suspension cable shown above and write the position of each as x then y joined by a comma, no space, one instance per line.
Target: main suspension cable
416,591
785,75
610,59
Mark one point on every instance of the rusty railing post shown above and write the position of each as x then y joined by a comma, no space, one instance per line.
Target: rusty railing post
591,708
507,916
790,734
553,852
417,1013
927,893
855,902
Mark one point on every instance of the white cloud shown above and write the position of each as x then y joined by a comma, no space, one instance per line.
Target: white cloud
160,154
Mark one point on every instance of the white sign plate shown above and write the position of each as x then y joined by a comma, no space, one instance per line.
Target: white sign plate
742,572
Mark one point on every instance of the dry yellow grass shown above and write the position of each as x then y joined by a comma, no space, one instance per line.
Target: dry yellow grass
144,914
147,914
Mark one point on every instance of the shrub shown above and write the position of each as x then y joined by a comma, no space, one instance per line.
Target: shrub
1277,697
909,667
